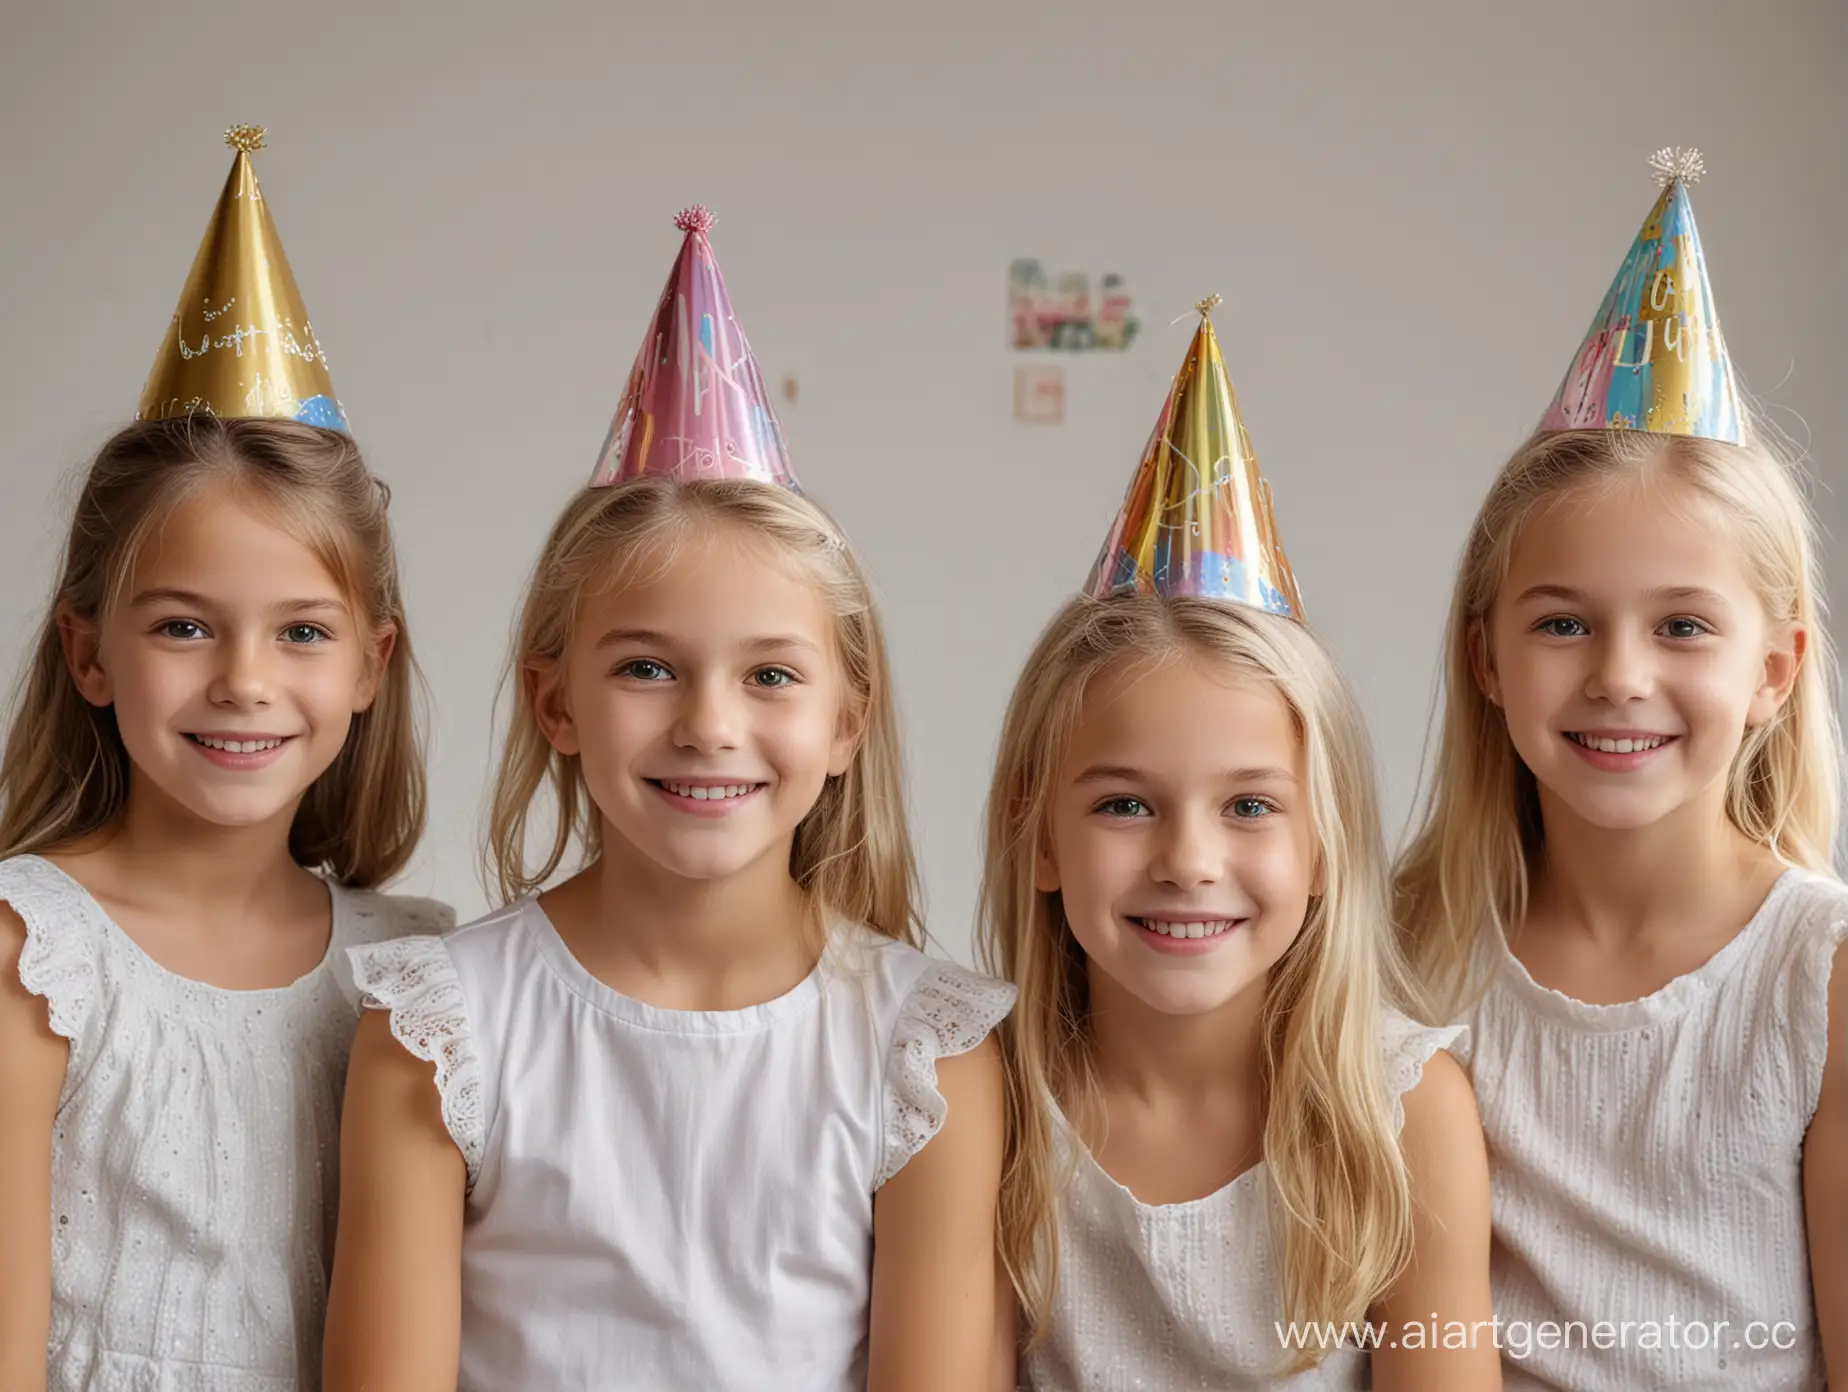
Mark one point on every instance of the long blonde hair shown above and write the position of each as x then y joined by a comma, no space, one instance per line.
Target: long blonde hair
1331,1142
1465,873
852,852
65,773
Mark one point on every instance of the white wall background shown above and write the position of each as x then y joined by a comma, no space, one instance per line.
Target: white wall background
1411,209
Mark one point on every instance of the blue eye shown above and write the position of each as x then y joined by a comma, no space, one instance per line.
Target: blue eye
303,634
645,669
1251,808
774,678
1123,807
182,629
1684,628
1562,626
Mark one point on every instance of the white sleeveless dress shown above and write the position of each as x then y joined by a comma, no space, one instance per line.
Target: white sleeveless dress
1167,1297
664,1199
1646,1162
196,1152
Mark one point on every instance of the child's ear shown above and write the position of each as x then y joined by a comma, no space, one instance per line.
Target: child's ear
1783,664
544,679
83,656
1046,871
849,730
378,658
1482,661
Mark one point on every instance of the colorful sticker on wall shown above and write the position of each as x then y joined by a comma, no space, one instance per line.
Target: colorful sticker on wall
1070,311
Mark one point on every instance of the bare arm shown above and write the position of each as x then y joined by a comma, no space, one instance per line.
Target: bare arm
394,1311
1007,1331
1825,1185
933,1298
32,1064
1448,1280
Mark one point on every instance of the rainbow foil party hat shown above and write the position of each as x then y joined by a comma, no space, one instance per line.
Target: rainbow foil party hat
695,405
1654,358
241,343
1198,519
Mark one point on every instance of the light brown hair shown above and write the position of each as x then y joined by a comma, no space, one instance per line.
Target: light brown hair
65,773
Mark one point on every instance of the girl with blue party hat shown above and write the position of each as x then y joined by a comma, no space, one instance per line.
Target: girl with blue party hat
1235,1159
701,1115
212,763
1623,881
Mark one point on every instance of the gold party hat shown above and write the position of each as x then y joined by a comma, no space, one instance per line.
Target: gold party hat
1198,519
241,343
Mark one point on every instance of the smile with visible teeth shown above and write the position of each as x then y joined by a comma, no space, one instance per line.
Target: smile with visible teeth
1620,746
702,793
1208,928
256,746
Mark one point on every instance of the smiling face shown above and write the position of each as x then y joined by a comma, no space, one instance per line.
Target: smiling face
707,707
1180,838
234,664
1630,654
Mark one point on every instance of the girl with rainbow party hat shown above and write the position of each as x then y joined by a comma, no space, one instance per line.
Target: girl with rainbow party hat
1230,1144
703,1115
1623,880
211,764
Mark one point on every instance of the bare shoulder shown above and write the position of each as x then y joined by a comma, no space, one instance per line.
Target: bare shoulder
1441,1106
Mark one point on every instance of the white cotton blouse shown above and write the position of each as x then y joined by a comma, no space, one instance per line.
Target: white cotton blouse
1646,1162
1166,1297
195,1156
672,1198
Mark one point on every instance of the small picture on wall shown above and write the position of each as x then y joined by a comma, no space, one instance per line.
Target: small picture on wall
1069,312
1039,395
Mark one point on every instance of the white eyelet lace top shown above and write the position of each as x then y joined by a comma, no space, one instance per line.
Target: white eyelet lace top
1646,1161
196,1151
1167,1297
663,1199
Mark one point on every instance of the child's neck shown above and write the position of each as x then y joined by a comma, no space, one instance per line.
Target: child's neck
1692,867
1157,1058
1183,1095
160,857
685,944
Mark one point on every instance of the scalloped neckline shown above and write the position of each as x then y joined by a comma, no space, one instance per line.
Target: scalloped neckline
144,959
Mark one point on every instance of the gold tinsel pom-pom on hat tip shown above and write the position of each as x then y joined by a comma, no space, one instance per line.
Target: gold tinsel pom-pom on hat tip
1208,305
247,139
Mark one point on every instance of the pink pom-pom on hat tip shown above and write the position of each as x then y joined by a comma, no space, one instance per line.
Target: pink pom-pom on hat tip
698,218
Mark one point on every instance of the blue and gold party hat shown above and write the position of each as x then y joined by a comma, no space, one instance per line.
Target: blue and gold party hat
1654,358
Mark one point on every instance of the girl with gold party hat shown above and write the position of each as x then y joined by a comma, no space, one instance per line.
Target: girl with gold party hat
702,1115
1229,1138
1623,881
212,763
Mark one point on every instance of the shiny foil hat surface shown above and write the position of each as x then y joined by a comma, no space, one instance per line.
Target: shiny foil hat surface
695,405
1654,358
1198,519
241,343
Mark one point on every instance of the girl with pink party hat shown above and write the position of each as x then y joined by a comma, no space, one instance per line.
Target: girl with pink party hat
702,1115
1623,880
1232,1147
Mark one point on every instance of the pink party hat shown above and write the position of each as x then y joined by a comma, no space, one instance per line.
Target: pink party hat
695,405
